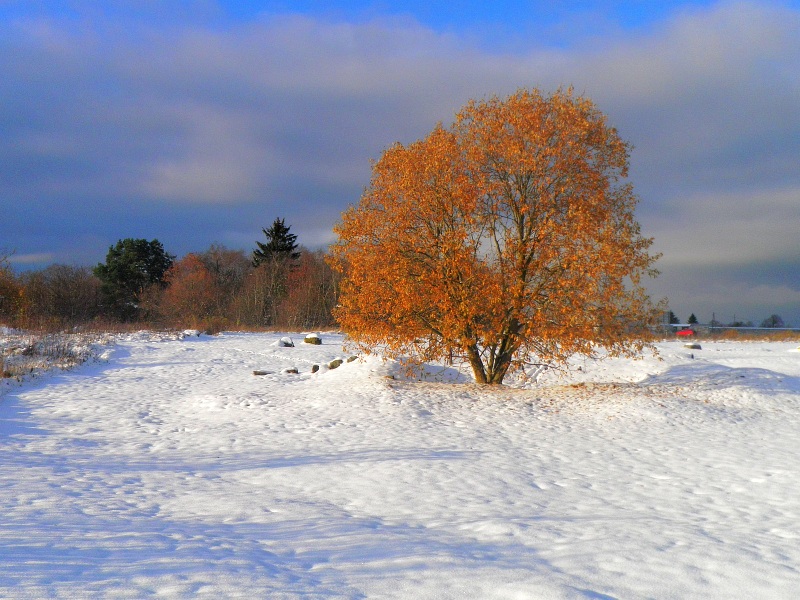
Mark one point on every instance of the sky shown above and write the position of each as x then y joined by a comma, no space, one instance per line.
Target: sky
201,122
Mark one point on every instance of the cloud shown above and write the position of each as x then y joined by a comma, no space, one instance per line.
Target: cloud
218,162
27,259
196,130
733,228
733,293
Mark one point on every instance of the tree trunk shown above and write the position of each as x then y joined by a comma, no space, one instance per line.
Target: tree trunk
476,363
495,376
492,374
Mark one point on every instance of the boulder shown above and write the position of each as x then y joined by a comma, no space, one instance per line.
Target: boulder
286,342
313,338
314,368
352,358
693,346
335,363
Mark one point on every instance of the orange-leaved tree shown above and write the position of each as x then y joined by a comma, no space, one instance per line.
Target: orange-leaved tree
191,295
506,239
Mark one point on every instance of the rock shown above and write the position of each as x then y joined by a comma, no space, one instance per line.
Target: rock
692,346
352,358
314,368
291,371
313,338
335,363
286,342
262,372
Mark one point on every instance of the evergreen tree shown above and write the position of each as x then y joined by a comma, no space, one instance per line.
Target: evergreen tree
274,261
132,265
692,319
673,319
280,244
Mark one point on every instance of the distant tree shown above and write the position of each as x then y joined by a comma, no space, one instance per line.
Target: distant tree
273,261
253,305
312,293
190,298
738,323
280,244
229,269
132,265
11,294
673,318
506,238
62,295
773,321
692,320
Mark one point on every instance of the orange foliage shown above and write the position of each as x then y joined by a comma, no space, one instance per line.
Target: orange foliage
310,292
506,238
191,294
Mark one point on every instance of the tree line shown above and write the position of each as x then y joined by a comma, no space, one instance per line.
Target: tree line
277,285
773,321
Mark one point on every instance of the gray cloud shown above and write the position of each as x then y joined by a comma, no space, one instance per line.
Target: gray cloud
197,134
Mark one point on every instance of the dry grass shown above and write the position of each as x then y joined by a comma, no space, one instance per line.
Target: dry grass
27,354
755,336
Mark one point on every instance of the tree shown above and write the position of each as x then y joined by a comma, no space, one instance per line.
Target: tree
132,265
229,269
738,323
673,318
11,293
273,262
503,239
62,295
773,321
311,295
280,244
190,298
692,319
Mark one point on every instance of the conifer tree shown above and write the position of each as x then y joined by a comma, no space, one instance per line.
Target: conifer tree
280,244
132,265
273,261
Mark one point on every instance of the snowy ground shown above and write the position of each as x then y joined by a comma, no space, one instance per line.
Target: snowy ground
172,471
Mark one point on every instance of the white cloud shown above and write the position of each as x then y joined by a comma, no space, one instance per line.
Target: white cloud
217,162
727,229
32,258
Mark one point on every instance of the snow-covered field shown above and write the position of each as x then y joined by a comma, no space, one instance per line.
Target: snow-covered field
171,470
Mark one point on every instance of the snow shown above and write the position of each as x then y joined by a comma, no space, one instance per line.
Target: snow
171,470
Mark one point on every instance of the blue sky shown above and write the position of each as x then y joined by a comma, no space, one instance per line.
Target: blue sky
200,122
